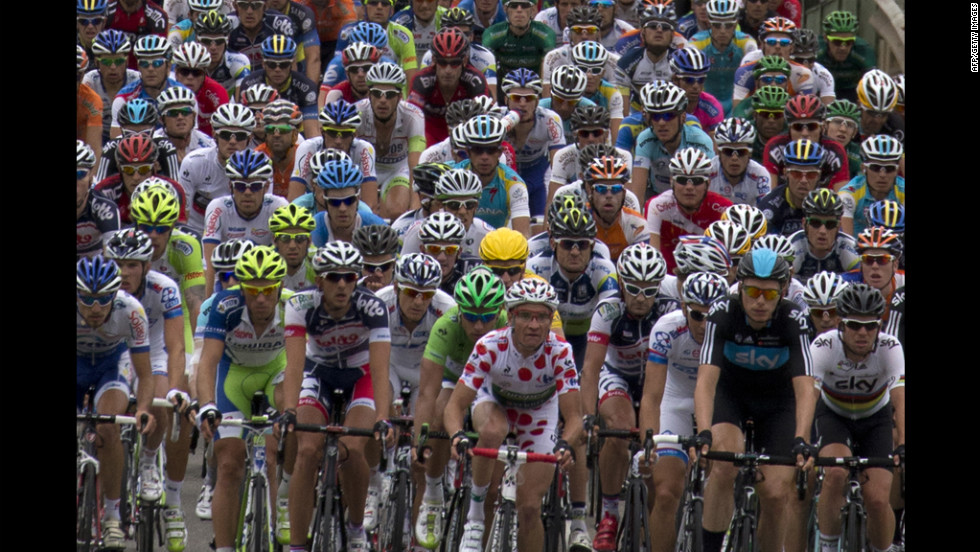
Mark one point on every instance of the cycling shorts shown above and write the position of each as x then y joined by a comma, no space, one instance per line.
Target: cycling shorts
614,384
235,385
870,437
103,372
319,383
676,418
774,412
534,427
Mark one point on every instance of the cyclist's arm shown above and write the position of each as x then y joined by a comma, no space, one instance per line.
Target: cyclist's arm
313,62
570,406
194,297
144,373
653,394
595,354
208,373
430,380
459,402
293,380
638,185
806,402
704,394
296,189
897,397
380,355
173,336
208,269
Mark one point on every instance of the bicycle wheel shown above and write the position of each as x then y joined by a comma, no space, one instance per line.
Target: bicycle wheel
144,527
326,535
553,517
851,533
394,513
86,506
257,519
638,519
689,533
459,506
507,534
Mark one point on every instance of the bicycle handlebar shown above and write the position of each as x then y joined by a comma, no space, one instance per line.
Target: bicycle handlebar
335,429
107,419
505,454
743,458
855,461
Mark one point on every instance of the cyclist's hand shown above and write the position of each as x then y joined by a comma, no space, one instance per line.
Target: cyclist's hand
704,441
192,409
145,428
286,420
382,431
459,443
899,455
803,453
564,454
179,398
207,419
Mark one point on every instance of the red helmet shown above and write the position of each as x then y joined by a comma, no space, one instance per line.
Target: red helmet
136,148
450,43
804,106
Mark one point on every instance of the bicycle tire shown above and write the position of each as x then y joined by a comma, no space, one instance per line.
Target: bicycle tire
851,533
258,518
144,527
638,518
689,534
453,532
393,515
552,514
86,505
508,528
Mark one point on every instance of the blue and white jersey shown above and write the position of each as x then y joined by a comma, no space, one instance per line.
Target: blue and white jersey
407,346
161,301
343,343
577,299
228,321
754,185
223,222
127,327
672,345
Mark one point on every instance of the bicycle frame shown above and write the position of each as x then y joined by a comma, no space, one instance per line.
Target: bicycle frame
854,517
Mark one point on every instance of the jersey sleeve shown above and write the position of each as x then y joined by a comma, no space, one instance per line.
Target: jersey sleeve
138,339
602,319
402,42
170,299
440,340
796,332
517,192
654,220
566,374
716,330
893,357
660,342
213,222
847,198
295,314
217,323
416,129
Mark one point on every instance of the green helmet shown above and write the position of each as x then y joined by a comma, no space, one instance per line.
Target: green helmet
260,263
770,97
573,223
840,22
770,64
291,216
155,206
843,108
480,288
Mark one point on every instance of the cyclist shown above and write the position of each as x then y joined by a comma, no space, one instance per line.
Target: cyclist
342,184
357,59
690,67
366,32
766,71
485,13
820,245
558,17
891,215
181,29
649,61
567,92
879,249
136,156
725,46
397,130
255,97
612,374
804,114
617,226
291,226
688,207
569,196
479,57
108,323
583,26
612,30
879,180
846,55
177,106
95,215
775,39
281,120
304,23
841,122
255,24
441,235
805,53
861,371
594,60
138,19
138,116
401,46
667,404
458,193
424,19
227,68
821,293
378,245
665,136
896,317
90,16
519,42
191,61
783,206
504,398
878,95
278,53
110,75
768,116
131,250
154,55
733,236
695,21
695,254
754,364
591,130
753,15
349,348
424,178
734,174
781,245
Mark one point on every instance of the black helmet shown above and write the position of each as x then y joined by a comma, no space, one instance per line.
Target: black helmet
764,264
376,239
860,299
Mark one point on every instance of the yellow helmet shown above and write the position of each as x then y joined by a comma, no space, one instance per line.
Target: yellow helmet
504,244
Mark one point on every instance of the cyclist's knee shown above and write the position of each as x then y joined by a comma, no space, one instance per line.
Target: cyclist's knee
231,468
108,435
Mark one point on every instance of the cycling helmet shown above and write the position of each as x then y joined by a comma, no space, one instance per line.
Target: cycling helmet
233,115
804,43
486,103
772,98
877,91
176,96
278,46
450,43
152,46
804,106
81,59
900,86
213,23
261,262
337,256
442,227
339,113
521,78
889,214
803,152
572,199
778,243
722,10
97,275
372,33
860,299
136,148
457,17
770,64
689,61
734,131
458,183
822,202
91,7
531,290
84,155
225,256
572,223
479,289
322,157
192,55
734,237
154,206
482,130
155,182
749,217
843,108
461,111
425,176
386,73
138,111
764,264
583,15
776,25
592,152
840,22
822,289
704,288
259,93
589,53
291,216
568,81
641,262
589,117
129,244
358,52
607,167
341,174
457,138
658,12
690,162
663,97
111,41
376,239
504,244
883,148
878,237
204,6
418,269
249,164
282,110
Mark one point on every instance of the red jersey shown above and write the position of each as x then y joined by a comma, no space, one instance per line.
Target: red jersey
666,218
150,19
114,189
426,95
209,97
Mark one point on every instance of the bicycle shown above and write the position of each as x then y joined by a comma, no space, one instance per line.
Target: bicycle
689,531
395,532
853,516
462,483
555,510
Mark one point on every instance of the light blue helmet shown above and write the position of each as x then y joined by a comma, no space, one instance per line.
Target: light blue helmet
336,175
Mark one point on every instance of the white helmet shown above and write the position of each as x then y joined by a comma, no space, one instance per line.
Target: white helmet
192,55
822,289
641,262
690,162
531,290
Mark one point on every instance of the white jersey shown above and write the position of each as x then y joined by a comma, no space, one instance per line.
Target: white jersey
203,179
856,390
228,321
549,16
198,140
93,79
563,56
127,325
619,28
824,85
401,224
438,153
754,185
541,243
647,71
360,151
161,301
546,135
224,222
669,291
407,346
409,122
565,168
304,277
480,57
577,299
671,344
471,241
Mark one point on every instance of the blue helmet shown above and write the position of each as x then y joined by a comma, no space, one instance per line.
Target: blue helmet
521,78
369,32
803,152
278,46
138,111
91,7
689,61
340,113
111,41
97,275
340,174
249,164
703,288
418,269
888,213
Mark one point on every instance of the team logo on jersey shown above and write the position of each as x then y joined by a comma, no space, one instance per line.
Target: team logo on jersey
800,317
101,210
821,342
213,222
609,311
227,304
182,247
371,308
170,298
856,383
138,324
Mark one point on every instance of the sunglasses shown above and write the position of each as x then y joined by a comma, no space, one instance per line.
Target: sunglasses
216,41
692,180
483,150
820,313
100,300
278,64
697,316
337,277
227,135
142,170
594,133
841,41
374,267
770,113
876,167
81,173
520,5
528,317
156,63
857,325
693,80
880,260
773,79
443,62
518,98
151,228
637,290
300,238
260,290
355,69
190,72
90,21
585,29
515,270
377,3
592,70
226,275
241,186
800,127
817,223
338,201
768,294
413,293
570,243
803,59
386,94
435,250
109,62
735,152
778,41
603,189
250,5
659,26
723,25
179,112
663,117
802,174
339,132
456,205
278,129
842,121
473,317
875,114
